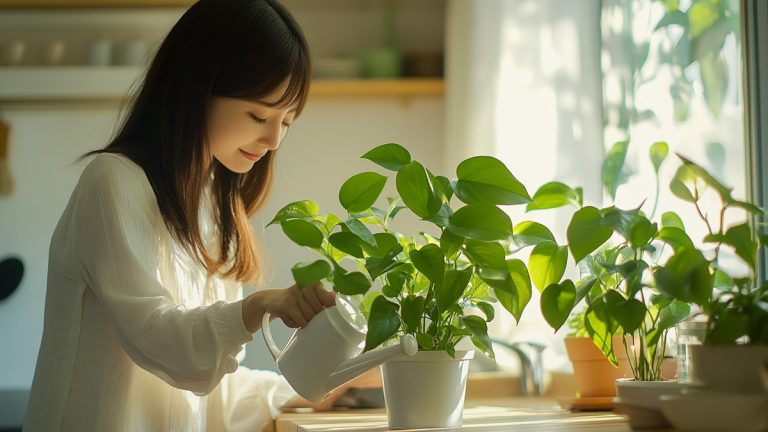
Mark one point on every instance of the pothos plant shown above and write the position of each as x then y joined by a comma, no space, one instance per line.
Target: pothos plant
736,306
438,286
617,251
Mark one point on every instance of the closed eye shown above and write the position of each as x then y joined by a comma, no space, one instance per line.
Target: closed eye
257,119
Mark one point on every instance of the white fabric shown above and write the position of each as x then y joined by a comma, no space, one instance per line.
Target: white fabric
137,337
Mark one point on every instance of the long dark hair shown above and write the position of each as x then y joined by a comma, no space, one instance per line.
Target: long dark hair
229,48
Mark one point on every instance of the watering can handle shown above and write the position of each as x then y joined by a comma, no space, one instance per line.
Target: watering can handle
268,337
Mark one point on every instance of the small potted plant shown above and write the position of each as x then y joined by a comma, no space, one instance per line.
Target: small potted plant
439,286
734,302
617,251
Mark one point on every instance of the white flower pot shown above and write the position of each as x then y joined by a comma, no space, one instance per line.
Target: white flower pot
426,390
729,368
640,401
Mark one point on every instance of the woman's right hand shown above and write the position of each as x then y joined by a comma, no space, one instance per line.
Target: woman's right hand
293,305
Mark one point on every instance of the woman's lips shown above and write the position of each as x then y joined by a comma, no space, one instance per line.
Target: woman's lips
251,156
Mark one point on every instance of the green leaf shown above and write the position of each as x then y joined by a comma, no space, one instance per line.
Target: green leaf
486,254
481,222
425,341
557,302
359,229
740,237
701,15
613,166
584,287
360,191
390,156
695,178
686,277
378,266
296,210
416,187
450,290
487,309
486,180
628,313
586,232
642,232
382,244
601,327
450,243
445,187
309,274
302,233
675,237
553,195
673,314
350,283
727,328
411,309
621,221
755,210
429,260
347,242
442,217
672,220
528,233
479,330
658,153
383,322
673,17
547,264
514,292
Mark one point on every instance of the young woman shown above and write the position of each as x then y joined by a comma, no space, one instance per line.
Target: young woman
144,317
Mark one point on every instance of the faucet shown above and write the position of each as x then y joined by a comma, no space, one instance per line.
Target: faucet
531,365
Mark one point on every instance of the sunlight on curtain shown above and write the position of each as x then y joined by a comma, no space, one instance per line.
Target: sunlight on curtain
523,81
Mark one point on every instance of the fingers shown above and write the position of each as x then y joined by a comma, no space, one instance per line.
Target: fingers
298,306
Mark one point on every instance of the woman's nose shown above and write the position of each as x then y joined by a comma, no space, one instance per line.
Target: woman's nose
272,136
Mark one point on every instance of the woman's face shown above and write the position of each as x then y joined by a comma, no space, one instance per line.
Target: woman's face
242,131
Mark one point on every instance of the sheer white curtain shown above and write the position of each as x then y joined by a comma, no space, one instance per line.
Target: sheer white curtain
524,84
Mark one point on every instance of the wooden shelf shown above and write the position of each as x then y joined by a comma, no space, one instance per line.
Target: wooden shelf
81,83
42,4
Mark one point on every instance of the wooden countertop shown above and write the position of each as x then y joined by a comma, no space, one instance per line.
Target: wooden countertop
498,414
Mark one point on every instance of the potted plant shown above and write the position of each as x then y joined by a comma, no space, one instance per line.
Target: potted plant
439,286
594,375
734,302
617,251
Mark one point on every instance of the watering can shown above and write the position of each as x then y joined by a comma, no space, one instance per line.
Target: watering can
326,353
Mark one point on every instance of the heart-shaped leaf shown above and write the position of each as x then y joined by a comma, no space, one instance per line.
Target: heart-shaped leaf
390,156
547,264
361,190
453,286
553,195
675,237
347,242
486,180
479,330
302,233
450,243
350,283
416,187
429,260
586,232
673,314
658,153
528,233
557,302
383,322
686,276
613,167
309,274
411,309
628,313
296,210
481,222
490,255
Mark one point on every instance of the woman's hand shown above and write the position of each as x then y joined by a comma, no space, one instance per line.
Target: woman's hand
293,305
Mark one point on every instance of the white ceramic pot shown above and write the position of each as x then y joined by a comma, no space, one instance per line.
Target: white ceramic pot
729,368
645,394
426,390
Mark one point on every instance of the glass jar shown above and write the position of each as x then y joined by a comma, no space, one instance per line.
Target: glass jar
688,333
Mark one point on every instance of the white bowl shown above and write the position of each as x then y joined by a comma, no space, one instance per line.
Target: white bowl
703,411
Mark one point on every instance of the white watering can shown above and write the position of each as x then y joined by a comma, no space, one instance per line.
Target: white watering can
326,353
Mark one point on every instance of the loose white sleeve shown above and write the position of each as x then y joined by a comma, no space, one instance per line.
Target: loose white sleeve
118,229
255,397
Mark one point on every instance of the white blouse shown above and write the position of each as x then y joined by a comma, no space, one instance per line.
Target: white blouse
137,337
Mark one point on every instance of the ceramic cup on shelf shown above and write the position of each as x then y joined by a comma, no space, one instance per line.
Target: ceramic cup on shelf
13,52
100,52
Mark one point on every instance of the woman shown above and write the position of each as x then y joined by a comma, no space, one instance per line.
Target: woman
144,316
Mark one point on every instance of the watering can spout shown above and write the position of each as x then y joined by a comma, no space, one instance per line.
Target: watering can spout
356,366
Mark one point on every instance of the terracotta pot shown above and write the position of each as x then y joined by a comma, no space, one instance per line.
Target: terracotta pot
595,376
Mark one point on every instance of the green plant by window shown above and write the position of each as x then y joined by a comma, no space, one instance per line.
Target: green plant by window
437,286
